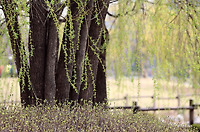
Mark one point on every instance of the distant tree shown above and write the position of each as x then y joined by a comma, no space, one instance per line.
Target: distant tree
51,67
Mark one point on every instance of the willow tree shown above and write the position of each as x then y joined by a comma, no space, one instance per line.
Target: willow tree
166,33
52,67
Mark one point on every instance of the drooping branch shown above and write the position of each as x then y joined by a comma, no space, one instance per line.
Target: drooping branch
18,48
67,54
80,50
96,33
124,14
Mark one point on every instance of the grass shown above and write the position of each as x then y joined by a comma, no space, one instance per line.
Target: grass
81,118
149,87
9,90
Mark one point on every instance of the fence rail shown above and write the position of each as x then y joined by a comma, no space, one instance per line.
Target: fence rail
136,108
178,98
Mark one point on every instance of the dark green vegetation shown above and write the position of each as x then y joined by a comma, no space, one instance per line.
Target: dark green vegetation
81,118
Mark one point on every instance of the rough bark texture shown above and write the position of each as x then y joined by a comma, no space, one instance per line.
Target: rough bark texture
94,42
38,28
80,53
51,59
67,57
18,49
82,36
101,92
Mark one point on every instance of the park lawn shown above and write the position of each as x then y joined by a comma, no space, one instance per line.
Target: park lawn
147,87
9,91
82,118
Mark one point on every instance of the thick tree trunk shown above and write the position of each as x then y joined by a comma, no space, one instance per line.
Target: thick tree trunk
38,29
101,91
19,53
51,59
67,55
94,42
82,36
80,53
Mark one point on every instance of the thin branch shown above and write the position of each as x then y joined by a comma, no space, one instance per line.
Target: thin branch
175,16
112,15
60,8
113,1
1,24
63,19
150,2
118,15
112,24
196,26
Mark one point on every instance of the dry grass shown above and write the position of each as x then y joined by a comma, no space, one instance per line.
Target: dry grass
9,90
150,87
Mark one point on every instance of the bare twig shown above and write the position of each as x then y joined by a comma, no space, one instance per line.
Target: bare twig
118,15
1,24
175,16
113,1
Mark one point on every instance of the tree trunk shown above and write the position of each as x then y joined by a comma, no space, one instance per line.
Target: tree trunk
101,91
38,29
46,79
51,59
19,53
67,55
96,32
80,53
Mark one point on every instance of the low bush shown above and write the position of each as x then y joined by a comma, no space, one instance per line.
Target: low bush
80,118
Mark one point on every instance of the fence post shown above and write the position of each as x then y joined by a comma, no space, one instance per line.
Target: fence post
191,112
154,101
135,107
179,100
126,99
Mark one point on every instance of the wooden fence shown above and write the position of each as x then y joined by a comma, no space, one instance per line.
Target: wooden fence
154,99
191,109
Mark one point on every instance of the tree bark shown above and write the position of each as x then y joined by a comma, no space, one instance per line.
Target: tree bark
18,48
101,89
38,29
51,60
80,53
67,55
94,42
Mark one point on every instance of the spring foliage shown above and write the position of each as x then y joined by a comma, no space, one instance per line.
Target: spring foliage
165,33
